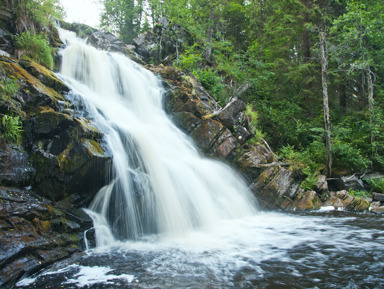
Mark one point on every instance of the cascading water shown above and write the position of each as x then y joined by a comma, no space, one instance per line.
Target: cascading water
159,183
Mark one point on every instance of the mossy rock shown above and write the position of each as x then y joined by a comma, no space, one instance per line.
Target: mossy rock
206,134
187,121
35,92
307,201
87,129
46,76
358,205
49,122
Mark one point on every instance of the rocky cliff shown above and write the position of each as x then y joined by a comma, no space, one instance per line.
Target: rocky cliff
48,175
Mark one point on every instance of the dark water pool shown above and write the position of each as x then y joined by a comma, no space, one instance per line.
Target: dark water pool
269,250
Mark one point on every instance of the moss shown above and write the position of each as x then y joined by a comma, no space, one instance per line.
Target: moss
87,128
358,205
93,147
17,72
46,76
307,201
49,121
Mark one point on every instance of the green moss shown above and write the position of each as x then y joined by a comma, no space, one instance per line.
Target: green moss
93,147
87,128
17,72
46,76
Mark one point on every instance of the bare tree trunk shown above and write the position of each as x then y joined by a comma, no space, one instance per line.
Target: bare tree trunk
327,122
371,106
208,50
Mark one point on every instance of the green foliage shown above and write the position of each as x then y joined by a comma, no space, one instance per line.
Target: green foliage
12,128
377,185
360,194
253,125
43,12
307,163
190,60
8,88
272,48
347,156
37,47
213,84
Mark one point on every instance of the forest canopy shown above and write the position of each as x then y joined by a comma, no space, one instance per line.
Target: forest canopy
273,48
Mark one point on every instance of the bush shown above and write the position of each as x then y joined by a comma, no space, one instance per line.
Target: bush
347,156
8,87
213,83
304,163
12,128
253,125
37,47
377,185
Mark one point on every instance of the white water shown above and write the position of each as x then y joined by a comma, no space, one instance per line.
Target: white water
159,184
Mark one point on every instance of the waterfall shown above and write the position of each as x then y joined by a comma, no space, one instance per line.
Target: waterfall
159,183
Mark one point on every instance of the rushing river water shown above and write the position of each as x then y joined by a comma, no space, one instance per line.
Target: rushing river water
268,250
170,218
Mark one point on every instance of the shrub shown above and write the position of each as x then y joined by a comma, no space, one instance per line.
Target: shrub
253,125
377,185
8,87
37,47
303,163
213,83
12,128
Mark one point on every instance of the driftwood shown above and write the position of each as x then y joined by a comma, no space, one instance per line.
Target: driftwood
270,165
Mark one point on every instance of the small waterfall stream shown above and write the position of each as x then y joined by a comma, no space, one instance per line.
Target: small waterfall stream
159,183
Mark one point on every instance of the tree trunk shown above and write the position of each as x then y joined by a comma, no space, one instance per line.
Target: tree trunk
327,122
208,50
371,107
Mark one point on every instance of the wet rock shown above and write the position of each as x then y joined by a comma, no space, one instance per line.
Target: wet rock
229,115
378,197
206,134
342,199
29,239
6,42
322,185
276,186
307,201
378,210
44,75
186,121
15,169
358,205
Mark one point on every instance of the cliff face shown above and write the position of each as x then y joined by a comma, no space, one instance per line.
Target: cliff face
45,178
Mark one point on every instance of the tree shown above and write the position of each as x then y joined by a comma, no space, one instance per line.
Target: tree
327,123
122,17
360,39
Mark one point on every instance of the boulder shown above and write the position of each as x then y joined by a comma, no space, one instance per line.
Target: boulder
15,168
6,42
378,210
307,201
342,199
322,185
229,115
378,197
